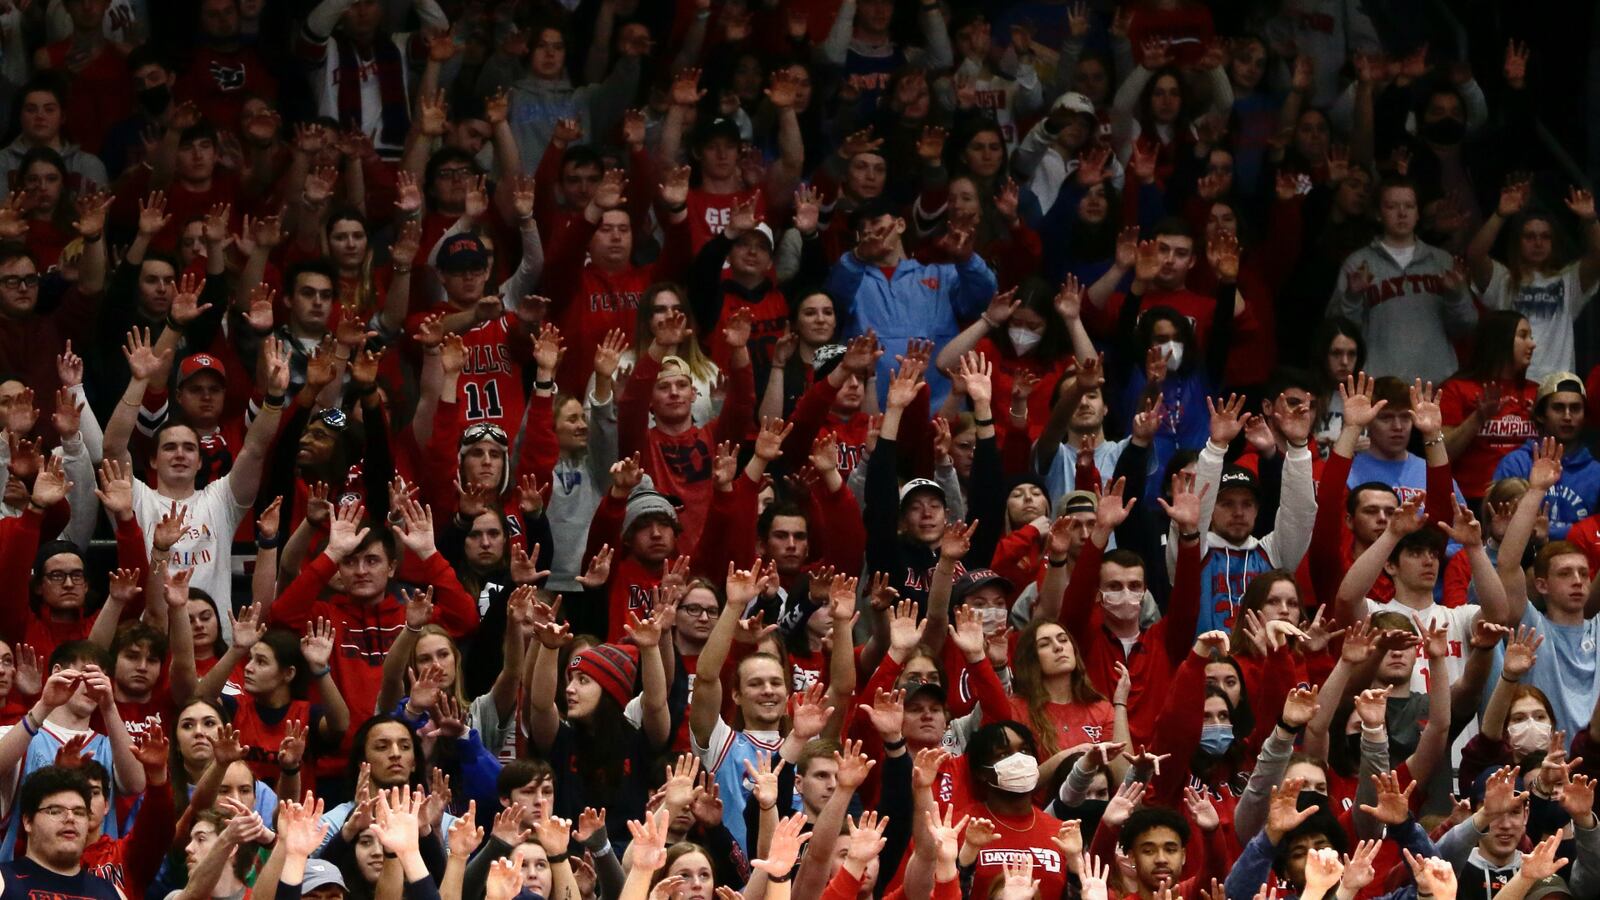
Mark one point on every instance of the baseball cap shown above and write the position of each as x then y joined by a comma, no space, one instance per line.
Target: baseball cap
201,362
1079,502
765,230
920,484
1556,382
975,579
463,253
1548,886
321,873
927,689
672,367
721,126
1072,101
1238,477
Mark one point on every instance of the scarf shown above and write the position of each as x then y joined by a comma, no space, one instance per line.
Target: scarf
391,88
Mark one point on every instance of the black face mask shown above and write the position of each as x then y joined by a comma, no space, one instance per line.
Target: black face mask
154,100
1447,132
1308,799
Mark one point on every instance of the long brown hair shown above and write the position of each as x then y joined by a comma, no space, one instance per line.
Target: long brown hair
1028,683
1255,597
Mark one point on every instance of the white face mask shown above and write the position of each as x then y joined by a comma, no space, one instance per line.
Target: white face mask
1173,350
992,617
1122,605
1017,774
1528,736
1023,340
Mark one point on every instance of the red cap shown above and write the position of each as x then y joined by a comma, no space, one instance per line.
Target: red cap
201,362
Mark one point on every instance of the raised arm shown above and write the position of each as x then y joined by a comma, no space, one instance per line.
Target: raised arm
1543,475
1363,573
705,703
244,479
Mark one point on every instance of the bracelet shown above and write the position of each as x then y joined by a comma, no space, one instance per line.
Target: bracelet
274,401
416,630
1290,728
1123,704
27,724
1511,680
1188,535
983,422
1058,565
93,239
402,270
780,879
988,321
271,543
173,323
765,808
1437,440
894,745
325,670
559,858
544,385
285,770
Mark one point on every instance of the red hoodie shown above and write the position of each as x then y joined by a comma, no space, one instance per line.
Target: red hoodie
366,631
131,861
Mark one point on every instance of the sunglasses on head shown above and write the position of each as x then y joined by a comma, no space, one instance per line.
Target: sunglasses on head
485,431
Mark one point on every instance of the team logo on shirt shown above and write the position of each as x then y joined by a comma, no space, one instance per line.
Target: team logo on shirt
1049,860
228,77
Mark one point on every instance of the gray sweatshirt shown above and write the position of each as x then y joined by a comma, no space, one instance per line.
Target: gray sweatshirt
1407,314
578,485
537,103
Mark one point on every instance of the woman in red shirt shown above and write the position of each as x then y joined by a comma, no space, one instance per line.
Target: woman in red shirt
1024,337
1052,693
47,204
1488,403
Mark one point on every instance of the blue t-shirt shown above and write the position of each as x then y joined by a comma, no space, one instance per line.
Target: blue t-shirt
1408,477
1566,668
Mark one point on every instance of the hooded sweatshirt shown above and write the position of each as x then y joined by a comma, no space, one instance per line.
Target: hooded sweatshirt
1408,315
1226,568
1573,498
536,103
366,631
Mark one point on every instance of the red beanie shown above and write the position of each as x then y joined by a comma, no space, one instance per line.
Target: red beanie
612,666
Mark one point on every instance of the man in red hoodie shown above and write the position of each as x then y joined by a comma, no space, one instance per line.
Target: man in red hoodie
131,861
368,617
593,284
677,453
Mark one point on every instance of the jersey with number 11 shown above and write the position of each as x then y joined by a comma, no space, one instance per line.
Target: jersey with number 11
490,387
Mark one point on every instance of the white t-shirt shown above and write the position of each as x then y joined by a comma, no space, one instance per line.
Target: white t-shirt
1551,303
1402,255
207,547
1457,620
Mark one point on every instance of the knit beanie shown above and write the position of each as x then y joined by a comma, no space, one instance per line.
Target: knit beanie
612,666
645,500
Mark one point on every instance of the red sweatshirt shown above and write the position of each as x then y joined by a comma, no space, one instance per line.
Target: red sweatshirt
131,862
1160,648
680,464
365,631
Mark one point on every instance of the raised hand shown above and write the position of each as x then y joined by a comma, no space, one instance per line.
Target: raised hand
1394,803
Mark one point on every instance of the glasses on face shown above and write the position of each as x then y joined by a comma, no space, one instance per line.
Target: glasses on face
14,282
57,811
76,576
697,612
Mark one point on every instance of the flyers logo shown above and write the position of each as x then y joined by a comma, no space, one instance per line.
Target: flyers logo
228,78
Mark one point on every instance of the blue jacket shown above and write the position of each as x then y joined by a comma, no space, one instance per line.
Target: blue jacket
1573,498
922,301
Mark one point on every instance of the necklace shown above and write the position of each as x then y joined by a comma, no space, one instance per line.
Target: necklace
1033,818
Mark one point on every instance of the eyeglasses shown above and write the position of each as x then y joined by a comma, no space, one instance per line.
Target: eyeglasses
698,612
13,282
920,680
57,811
484,431
76,576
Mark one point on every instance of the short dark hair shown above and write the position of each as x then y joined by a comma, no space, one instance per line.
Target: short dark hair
135,633
1389,182
69,652
317,266
1172,226
780,508
1321,822
11,251
47,781
202,130
1123,557
1286,378
1353,498
1148,818
50,82
378,534
443,157
521,772
875,208
582,155
146,55
1425,539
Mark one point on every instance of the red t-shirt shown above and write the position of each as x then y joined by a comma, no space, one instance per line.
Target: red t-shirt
709,213
1199,309
1510,428
1076,723
1007,367
1018,838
